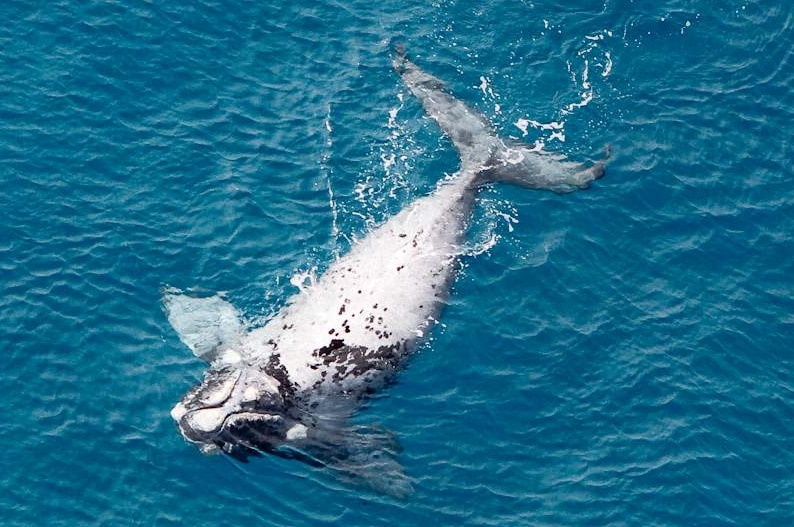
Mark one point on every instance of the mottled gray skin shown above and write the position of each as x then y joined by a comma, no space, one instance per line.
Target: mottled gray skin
482,151
287,388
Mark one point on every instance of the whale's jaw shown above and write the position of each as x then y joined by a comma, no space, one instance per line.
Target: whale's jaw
236,409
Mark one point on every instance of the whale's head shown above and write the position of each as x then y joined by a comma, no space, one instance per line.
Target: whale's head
237,409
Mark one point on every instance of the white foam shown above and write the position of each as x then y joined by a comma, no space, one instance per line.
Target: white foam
484,85
607,64
487,90
558,136
485,246
388,161
554,125
324,169
557,129
511,220
305,279
523,125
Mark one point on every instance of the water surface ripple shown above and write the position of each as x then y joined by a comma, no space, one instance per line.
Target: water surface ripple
619,356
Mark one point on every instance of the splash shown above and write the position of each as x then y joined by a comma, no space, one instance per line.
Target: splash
389,183
304,280
489,94
326,156
485,231
580,74
591,58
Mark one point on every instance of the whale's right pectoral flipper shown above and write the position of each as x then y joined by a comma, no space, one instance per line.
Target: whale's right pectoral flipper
363,455
206,325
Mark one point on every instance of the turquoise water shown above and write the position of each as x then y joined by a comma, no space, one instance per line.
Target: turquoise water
617,356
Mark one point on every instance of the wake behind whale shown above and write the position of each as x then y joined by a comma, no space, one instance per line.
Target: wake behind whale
288,388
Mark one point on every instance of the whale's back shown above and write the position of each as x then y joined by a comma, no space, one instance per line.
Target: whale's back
368,310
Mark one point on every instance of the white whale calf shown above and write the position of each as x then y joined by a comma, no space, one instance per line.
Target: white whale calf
288,387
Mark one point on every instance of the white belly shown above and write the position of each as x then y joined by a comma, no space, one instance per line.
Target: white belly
384,294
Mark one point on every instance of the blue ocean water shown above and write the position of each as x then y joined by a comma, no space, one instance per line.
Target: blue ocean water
616,356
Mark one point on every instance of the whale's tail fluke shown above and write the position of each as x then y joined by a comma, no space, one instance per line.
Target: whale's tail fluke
481,150
531,168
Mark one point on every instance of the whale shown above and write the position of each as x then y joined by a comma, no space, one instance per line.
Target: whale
289,386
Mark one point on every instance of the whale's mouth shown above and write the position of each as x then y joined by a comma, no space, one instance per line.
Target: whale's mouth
217,423
240,434
260,432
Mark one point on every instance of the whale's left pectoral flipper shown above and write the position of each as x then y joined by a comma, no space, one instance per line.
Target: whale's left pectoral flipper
206,325
362,455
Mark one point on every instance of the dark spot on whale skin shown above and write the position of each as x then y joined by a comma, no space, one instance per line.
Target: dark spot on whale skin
347,329
375,306
275,369
400,268
385,309
342,309
359,360
359,291
326,351
380,320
